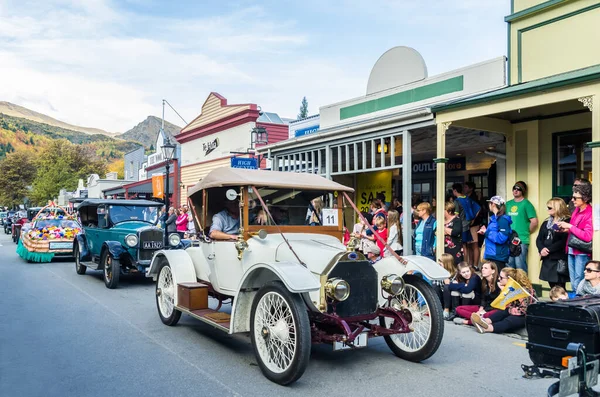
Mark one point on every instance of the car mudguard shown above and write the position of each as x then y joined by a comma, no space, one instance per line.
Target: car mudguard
295,277
414,264
182,267
115,249
84,251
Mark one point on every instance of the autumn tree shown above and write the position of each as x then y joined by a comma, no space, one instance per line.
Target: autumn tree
118,166
303,109
60,165
17,172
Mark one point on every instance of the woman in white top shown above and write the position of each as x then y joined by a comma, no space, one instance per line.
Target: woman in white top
394,239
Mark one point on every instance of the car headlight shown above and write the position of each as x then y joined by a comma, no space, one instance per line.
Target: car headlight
337,289
392,284
131,240
174,239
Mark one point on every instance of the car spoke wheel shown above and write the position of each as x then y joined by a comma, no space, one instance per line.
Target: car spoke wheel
79,268
280,333
165,296
427,323
112,270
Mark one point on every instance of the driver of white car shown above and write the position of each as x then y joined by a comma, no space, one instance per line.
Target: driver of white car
226,223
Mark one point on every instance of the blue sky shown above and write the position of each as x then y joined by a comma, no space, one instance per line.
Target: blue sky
108,64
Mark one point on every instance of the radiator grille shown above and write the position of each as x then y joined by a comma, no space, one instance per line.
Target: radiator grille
362,278
153,234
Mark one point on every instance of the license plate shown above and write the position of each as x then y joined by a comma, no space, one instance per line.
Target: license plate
360,341
152,245
61,246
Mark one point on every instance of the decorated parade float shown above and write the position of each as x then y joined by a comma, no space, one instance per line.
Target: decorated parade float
51,232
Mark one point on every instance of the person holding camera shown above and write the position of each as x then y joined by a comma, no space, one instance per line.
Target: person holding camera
551,242
497,233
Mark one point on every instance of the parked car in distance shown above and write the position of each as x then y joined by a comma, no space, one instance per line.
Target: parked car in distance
3,216
119,237
291,284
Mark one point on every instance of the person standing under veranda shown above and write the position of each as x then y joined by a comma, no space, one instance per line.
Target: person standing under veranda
524,222
467,210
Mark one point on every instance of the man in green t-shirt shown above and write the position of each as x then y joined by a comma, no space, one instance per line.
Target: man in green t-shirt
524,222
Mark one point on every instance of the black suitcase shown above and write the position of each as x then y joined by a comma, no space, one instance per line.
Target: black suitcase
551,326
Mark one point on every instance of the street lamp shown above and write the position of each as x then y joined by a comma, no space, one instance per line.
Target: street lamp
168,150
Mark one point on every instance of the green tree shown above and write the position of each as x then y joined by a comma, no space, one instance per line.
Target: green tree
303,109
152,147
17,172
60,166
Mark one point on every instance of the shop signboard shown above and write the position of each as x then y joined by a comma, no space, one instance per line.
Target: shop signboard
306,131
244,162
454,164
371,183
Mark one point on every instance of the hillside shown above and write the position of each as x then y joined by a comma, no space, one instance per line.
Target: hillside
146,132
10,109
23,134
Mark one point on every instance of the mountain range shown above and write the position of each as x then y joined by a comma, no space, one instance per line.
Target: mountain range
10,109
144,133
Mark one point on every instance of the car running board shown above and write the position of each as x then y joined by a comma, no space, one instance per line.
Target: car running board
215,318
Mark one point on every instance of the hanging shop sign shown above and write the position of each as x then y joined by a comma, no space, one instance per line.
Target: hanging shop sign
208,147
371,183
157,186
455,164
244,162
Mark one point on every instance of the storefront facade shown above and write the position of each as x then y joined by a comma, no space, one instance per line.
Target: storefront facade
222,135
385,141
550,113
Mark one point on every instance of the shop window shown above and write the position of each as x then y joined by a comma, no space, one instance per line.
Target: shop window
571,159
481,185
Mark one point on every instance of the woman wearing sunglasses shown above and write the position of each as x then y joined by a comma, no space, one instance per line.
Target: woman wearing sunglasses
551,242
581,227
591,282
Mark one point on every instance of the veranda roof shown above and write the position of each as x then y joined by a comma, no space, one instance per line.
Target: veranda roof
225,176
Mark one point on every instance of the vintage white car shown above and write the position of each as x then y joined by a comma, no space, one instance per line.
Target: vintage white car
290,280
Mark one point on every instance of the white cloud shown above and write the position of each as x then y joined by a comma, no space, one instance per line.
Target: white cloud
93,64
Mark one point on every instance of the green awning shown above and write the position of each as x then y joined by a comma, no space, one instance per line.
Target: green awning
559,80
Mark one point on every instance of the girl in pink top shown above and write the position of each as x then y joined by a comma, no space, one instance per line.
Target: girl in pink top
581,227
182,222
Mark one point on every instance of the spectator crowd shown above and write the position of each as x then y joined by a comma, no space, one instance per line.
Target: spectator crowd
486,243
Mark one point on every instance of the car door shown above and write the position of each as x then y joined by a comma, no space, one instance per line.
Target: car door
225,267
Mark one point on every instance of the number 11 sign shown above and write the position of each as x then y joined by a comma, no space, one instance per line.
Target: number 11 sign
330,217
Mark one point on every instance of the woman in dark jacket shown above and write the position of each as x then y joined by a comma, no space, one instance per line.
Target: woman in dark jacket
551,243
452,233
171,221
497,233
466,287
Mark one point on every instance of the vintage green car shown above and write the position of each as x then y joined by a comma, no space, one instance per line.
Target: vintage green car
119,237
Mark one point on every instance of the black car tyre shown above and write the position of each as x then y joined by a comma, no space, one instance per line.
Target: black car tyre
427,321
165,295
111,270
280,333
79,268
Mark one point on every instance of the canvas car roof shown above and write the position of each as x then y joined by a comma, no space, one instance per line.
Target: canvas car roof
225,176
148,203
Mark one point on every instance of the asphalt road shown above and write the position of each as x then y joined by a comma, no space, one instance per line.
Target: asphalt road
62,334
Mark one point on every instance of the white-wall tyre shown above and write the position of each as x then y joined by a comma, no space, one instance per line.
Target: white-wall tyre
427,324
280,333
165,296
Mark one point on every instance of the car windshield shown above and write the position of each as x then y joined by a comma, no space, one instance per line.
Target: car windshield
293,207
63,223
123,213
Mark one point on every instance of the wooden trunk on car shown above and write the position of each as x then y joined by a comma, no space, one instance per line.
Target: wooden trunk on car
192,296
